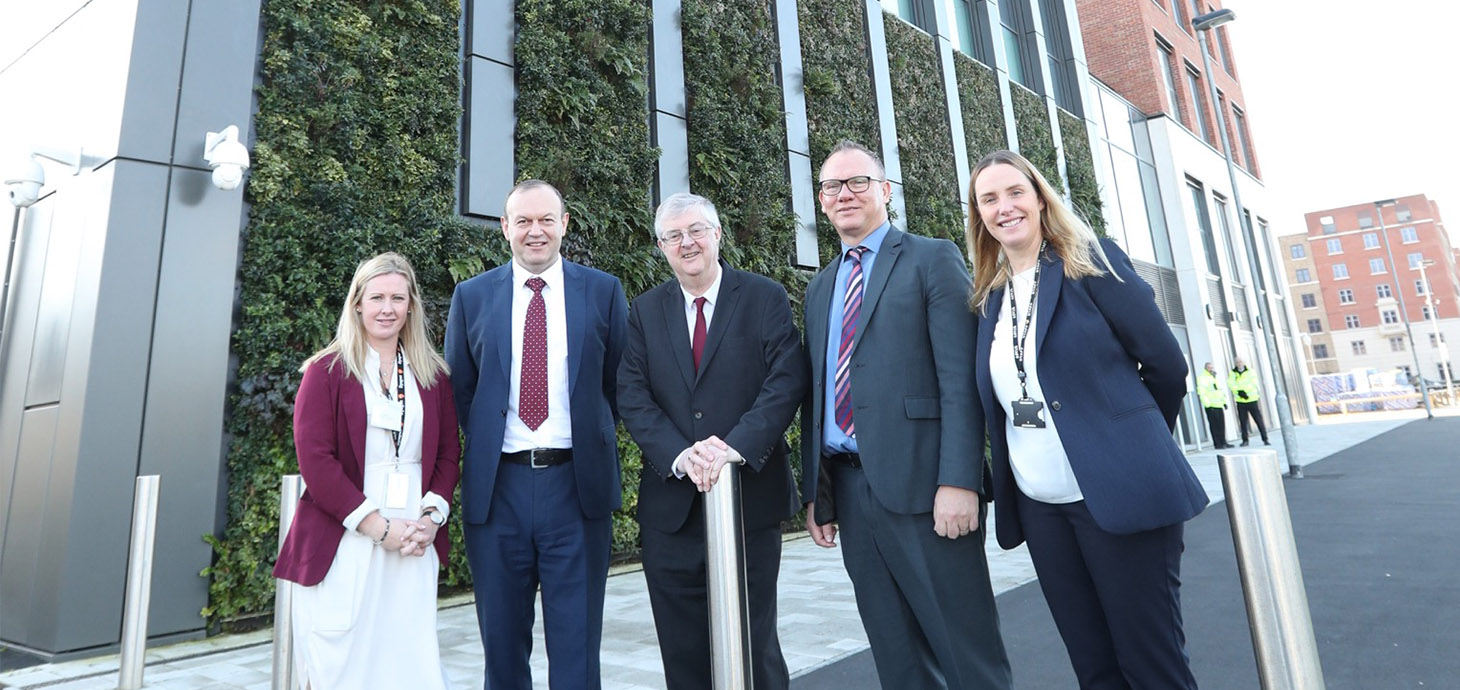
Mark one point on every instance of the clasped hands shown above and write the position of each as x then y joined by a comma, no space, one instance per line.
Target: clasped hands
701,462
408,537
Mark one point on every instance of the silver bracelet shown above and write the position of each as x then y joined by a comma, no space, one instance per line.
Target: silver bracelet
384,535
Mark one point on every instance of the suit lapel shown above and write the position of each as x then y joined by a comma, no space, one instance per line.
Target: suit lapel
352,398
728,298
575,306
502,315
877,282
428,431
1051,279
986,326
818,309
676,325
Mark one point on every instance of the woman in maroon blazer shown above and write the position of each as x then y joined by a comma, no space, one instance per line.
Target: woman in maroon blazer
375,432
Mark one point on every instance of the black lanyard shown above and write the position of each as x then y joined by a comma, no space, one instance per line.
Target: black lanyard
400,396
1017,337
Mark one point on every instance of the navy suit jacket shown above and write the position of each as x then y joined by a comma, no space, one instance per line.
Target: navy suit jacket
479,351
1113,378
751,379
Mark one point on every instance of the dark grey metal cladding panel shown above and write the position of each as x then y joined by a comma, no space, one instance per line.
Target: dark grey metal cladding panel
491,166
217,75
23,597
152,81
493,25
53,312
186,388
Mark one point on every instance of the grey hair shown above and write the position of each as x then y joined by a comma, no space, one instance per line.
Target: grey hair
683,202
848,145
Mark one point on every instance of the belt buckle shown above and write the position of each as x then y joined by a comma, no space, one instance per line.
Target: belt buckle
532,459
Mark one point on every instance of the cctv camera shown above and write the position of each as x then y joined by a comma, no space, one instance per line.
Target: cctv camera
25,187
226,156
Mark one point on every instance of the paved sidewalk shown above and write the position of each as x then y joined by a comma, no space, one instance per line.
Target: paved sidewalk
818,619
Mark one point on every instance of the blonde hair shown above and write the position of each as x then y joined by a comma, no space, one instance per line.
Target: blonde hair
1068,236
352,347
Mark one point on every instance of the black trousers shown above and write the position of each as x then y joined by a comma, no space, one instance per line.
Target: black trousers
1217,422
1115,598
1253,410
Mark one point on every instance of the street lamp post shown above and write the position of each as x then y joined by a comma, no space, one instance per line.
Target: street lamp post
1424,391
1435,325
1204,25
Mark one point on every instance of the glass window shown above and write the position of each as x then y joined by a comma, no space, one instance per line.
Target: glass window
1227,237
1010,20
1401,212
1424,312
1408,235
1304,275
1351,321
1179,14
1383,291
1376,266
1346,296
1335,246
1320,351
1243,137
1298,251
1204,220
1327,223
1193,83
1360,348
919,13
1315,325
1366,220
1419,288
1389,316
1163,52
1436,340
1371,240
1309,300
1133,211
967,39
1396,344
1415,259
1340,271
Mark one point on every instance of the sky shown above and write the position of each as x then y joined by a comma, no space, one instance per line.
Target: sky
1350,102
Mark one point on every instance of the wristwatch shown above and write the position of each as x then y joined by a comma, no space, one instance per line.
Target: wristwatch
436,516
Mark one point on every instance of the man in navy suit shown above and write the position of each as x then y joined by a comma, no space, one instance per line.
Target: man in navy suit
713,373
534,348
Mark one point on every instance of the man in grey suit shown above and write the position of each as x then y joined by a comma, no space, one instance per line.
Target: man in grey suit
892,442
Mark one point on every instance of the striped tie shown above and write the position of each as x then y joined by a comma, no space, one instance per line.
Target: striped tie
844,350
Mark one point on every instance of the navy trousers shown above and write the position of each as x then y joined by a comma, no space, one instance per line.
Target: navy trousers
536,534
1116,598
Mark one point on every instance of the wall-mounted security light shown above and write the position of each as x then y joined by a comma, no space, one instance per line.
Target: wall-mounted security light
1212,20
226,156
25,183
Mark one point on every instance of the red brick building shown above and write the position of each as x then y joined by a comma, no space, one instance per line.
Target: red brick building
1148,53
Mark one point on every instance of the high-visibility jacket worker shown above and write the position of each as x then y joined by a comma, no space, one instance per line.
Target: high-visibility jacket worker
1214,402
1243,382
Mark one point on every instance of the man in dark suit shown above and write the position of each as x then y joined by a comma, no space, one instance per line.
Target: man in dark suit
893,440
713,373
534,348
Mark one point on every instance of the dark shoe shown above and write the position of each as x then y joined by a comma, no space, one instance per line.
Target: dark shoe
1265,443
1244,444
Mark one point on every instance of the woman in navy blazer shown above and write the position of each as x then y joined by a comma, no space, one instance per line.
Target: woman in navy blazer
375,432
1080,381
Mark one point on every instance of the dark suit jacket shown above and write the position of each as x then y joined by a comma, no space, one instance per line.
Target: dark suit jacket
918,424
479,350
752,376
329,437
1113,378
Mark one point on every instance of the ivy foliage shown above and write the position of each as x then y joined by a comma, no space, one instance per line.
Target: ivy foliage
983,112
737,133
924,137
1036,140
1080,164
356,154
837,80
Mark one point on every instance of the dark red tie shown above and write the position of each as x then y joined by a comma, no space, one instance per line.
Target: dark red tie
532,395
698,344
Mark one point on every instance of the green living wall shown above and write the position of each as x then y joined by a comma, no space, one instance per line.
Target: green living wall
983,112
1080,164
1036,141
924,137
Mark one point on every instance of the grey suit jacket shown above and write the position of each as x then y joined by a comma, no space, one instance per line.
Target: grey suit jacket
914,403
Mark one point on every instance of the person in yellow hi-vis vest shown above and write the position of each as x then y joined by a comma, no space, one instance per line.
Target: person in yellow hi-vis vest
1213,397
1243,382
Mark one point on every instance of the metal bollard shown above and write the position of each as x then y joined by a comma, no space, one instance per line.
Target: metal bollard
290,490
1272,582
139,583
725,571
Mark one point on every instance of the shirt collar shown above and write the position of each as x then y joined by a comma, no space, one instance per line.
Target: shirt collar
711,295
872,242
552,275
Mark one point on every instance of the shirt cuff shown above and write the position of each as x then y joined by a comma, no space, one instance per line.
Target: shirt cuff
352,521
679,471
434,500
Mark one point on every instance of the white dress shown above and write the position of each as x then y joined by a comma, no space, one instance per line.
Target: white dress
371,623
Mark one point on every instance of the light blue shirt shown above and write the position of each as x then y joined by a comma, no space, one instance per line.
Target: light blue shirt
833,439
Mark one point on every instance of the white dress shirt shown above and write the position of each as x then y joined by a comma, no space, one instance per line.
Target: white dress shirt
1041,467
711,296
557,430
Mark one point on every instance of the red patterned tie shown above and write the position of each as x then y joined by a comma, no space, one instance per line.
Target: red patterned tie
532,395
698,346
844,350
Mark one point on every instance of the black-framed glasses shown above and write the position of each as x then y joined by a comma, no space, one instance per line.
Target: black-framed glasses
857,184
695,232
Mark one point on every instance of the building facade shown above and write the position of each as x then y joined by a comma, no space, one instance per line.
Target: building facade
1369,266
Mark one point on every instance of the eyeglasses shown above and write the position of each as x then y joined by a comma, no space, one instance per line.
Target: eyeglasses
695,232
857,184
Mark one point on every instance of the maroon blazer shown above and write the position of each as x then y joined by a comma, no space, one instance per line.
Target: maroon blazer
329,437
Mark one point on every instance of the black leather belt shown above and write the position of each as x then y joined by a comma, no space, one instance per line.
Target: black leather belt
539,457
845,459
